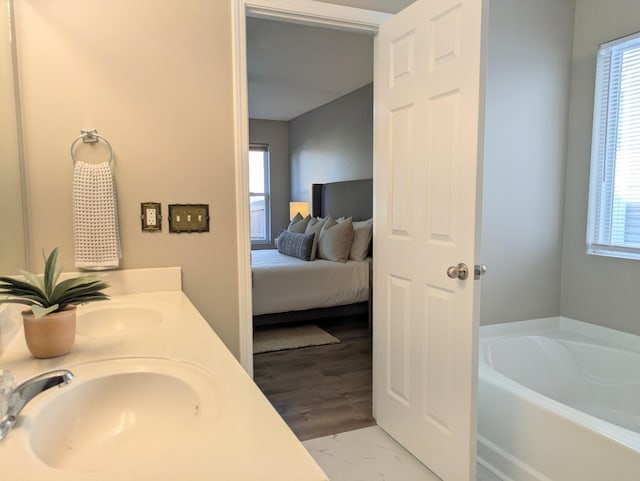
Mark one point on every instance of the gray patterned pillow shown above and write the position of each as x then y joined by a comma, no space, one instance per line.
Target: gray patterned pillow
296,244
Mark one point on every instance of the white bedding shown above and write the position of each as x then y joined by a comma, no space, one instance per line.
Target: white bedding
282,283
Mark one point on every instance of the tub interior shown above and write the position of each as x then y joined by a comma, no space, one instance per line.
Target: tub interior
597,379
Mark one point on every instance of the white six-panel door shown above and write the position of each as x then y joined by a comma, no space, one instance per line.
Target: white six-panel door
427,143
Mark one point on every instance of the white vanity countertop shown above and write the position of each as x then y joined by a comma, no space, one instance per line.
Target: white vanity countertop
247,439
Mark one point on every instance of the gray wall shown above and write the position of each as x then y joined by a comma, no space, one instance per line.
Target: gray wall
332,143
119,66
525,144
595,289
276,135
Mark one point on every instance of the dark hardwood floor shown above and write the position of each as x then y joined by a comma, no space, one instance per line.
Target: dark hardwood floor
322,390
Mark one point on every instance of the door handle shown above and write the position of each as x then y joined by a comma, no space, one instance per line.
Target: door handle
461,271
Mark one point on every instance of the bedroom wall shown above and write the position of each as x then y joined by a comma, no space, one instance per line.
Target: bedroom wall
276,135
596,289
155,78
524,161
331,143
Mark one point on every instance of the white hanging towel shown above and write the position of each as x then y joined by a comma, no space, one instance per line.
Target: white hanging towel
96,236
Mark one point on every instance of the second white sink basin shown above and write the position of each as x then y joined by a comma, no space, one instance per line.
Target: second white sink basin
122,413
103,319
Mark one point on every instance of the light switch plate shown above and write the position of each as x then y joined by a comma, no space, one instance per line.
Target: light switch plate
188,218
150,216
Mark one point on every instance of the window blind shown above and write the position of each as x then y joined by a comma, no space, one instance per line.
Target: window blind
614,204
259,194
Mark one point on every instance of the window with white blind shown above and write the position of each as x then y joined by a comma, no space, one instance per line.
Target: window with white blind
259,199
614,193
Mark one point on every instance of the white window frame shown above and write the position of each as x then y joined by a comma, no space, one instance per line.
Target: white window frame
607,216
267,194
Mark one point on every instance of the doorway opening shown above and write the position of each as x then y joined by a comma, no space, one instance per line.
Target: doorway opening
319,14
310,105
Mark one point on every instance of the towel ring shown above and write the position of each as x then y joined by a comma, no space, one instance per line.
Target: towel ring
91,137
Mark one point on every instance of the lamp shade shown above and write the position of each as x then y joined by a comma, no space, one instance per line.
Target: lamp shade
298,207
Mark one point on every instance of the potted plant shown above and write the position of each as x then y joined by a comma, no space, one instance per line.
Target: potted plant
50,324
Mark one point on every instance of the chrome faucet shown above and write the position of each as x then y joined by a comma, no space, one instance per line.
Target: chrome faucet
26,391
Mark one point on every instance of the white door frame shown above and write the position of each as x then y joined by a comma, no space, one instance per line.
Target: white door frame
306,12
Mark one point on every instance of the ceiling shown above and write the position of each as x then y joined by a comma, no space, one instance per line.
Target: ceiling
295,68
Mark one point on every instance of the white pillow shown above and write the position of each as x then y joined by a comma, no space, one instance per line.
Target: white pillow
314,227
335,240
298,224
362,234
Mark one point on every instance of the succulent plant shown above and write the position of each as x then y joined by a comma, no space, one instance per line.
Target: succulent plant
45,295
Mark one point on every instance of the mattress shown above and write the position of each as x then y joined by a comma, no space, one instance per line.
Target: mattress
282,283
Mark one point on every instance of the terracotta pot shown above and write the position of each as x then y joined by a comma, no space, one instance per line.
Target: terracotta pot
52,335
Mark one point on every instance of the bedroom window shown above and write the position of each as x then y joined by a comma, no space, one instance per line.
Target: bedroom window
614,194
259,203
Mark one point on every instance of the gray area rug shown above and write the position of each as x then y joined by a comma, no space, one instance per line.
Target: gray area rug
282,338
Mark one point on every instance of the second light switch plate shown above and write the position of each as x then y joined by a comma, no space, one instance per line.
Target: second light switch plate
188,218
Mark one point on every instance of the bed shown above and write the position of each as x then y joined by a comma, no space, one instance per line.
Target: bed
288,289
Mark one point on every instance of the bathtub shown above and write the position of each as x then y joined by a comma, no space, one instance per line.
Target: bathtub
559,400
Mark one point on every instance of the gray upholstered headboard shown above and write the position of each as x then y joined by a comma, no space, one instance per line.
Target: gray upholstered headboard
351,198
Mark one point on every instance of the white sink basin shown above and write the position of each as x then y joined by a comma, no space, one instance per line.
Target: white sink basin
122,413
109,318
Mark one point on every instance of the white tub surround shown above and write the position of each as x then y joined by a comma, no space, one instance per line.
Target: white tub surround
234,433
559,400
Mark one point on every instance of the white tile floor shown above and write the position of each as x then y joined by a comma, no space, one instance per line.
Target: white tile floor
369,454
